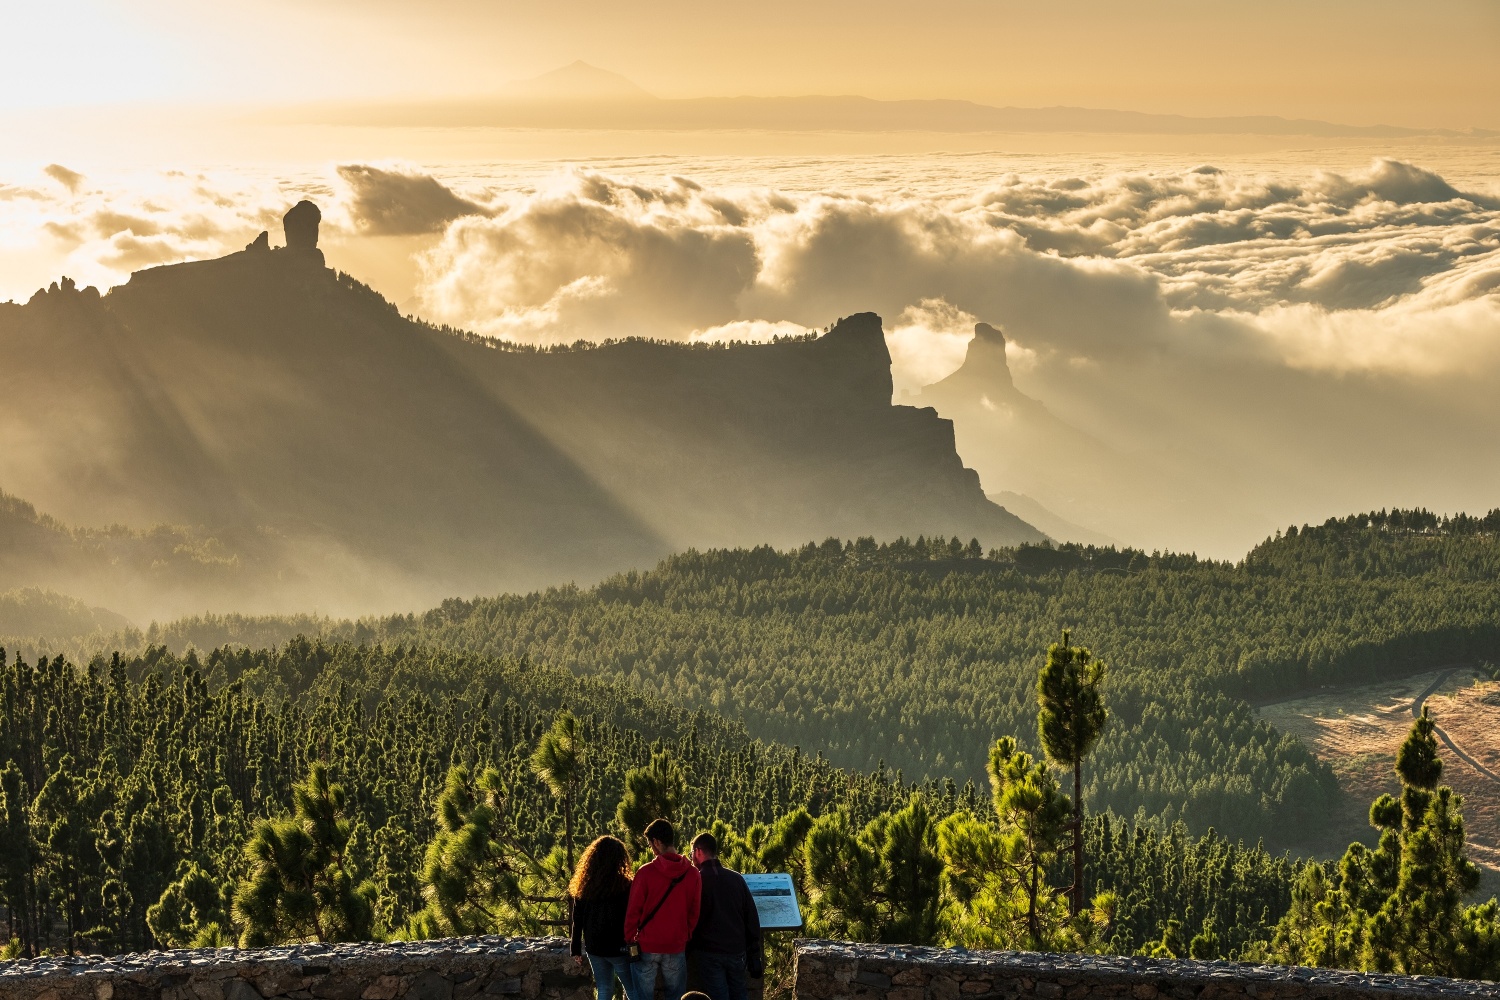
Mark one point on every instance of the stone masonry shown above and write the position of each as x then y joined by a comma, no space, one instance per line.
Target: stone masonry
828,970
479,968
496,968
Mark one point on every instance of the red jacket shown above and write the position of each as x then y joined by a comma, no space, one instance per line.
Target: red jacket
666,933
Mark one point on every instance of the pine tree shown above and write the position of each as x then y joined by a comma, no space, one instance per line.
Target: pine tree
558,761
844,881
997,876
1418,926
302,884
193,911
1171,944
1033,813
1070,722
63,827
1400,907
912,874
477,876
398,862
651,792
17,857
881,884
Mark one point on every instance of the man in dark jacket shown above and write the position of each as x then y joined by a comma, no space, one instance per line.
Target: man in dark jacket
726,943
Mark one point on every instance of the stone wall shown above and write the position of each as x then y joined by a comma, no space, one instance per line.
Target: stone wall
495,968
829,970
481,968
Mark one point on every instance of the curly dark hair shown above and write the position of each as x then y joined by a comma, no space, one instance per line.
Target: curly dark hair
604,869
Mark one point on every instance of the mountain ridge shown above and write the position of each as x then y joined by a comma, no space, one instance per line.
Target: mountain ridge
580,95
375,462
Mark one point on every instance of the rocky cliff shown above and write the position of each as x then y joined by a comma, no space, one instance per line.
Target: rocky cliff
1032,458
365,460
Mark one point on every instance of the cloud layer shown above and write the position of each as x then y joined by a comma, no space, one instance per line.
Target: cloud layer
1244,323
1391,269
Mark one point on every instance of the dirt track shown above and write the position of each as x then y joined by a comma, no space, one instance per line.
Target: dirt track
1358,730
1416,712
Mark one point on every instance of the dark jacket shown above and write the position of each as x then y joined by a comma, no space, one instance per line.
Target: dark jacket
667,933
599,925
728,923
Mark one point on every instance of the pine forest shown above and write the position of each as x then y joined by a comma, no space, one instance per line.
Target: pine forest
1042,747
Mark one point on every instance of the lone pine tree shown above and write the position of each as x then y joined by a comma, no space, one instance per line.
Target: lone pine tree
558,761
1070,721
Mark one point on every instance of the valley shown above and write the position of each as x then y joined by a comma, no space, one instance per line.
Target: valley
1352,730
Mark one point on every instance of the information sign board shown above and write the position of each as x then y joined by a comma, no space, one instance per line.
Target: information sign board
775,901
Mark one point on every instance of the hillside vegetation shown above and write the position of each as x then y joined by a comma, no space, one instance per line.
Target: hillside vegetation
132,791
112,777
915,654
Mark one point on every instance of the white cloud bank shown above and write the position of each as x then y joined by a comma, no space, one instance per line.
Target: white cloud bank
1392,269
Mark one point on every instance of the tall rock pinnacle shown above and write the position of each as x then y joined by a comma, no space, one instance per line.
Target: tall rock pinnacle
984,373
301,226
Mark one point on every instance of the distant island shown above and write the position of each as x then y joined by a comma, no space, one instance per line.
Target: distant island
581,96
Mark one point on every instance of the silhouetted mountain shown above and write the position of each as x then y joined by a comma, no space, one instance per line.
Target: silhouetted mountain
346,458
584,96
1016,440
578,81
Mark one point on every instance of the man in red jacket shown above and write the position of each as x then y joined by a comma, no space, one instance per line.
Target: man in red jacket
662,913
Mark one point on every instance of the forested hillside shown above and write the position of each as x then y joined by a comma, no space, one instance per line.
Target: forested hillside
134,791
129,791
177,564
115,774
916,654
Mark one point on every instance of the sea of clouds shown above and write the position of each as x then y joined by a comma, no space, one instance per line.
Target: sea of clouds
1312,339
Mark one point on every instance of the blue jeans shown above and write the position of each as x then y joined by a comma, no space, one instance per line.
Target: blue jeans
673,970
724,976
605,971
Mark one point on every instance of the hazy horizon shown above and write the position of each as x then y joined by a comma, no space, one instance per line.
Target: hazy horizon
1361,62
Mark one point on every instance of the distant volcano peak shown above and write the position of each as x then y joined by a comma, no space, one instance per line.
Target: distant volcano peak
578,81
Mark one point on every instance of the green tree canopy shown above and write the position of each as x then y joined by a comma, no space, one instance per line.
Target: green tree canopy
1070,721
302,884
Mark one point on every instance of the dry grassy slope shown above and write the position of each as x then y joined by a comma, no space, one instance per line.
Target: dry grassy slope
1357,731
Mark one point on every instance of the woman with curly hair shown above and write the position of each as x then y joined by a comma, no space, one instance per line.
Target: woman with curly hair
600,892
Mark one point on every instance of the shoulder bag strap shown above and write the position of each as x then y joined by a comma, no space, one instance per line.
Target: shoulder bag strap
647,918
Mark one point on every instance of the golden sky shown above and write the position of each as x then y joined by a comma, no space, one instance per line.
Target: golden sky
1428,64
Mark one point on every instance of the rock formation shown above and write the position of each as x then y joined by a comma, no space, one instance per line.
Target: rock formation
260,244
1031,459
388,463
985,372
301,227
